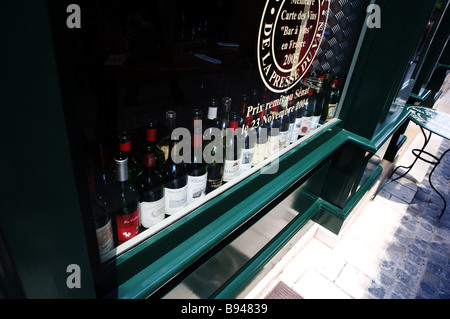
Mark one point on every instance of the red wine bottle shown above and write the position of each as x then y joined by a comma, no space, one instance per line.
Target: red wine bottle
150,146
232,151
197,169
150,183
284,121
308,113
174,174
122,200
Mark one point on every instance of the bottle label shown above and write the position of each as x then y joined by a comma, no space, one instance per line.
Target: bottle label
246,160
149,160
105,238
230,170
175,199
331,111
304,129
196,187
273,144
215,176
212,113
152,212
127,226
165,150
260,153
296,130
283,138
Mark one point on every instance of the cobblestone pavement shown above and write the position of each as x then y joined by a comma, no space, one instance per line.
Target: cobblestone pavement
416,264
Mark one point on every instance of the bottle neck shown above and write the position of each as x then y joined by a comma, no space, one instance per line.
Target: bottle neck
227,106
197,148
122,170
334,84
197,140
125,147
233,126
151,135
212,112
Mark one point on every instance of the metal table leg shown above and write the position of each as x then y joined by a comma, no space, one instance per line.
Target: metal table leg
420,152
431,184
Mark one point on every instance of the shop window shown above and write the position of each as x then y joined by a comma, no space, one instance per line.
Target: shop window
243,82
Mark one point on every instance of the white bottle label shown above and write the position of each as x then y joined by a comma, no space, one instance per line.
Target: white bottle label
230,170
212,113
246,160
196,187
152,212
273,144
175,199
283,138
105,238
260,153
304,129
296,130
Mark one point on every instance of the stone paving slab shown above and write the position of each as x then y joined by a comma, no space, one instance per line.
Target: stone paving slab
416,264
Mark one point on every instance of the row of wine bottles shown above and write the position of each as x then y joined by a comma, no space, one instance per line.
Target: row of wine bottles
180,169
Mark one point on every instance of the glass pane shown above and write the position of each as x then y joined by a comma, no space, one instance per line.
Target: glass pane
245,81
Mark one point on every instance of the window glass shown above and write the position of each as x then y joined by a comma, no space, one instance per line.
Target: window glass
239,82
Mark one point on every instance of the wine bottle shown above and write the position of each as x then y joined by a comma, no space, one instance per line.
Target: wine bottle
103,169
123,202
298,113
261,140
174,174
125,148
198,169
249,138
308,113
232,150
262,131
212,113
333,102
102,219
151,146
327,83
150,184
284,122
215,169
320,103
164,141
245,120
274,134
197,122
292,117
225,113
103,226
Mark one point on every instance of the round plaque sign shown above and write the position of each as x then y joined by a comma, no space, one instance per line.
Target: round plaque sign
289,35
